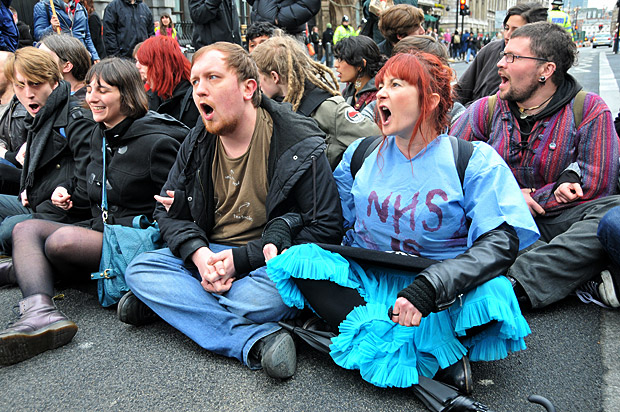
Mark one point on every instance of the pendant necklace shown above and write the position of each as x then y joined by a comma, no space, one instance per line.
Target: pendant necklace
522,110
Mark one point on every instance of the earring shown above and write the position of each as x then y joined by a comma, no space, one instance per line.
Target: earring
358,81
542,79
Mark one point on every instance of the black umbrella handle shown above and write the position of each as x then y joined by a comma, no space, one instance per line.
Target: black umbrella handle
541,400
391,312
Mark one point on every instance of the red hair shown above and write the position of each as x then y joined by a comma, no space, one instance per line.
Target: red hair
166,65
426,72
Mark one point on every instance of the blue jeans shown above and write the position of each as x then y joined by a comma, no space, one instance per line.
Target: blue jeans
228,324
470,51
11,213
609,234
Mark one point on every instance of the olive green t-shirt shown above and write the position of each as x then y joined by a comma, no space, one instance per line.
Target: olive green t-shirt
241,186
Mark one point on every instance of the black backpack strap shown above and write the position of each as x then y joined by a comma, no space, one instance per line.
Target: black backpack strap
462,150
362,151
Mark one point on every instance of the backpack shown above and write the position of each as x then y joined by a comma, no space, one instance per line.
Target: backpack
461,149
457,39
580,98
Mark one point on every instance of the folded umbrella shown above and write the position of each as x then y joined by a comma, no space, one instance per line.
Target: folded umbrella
318,339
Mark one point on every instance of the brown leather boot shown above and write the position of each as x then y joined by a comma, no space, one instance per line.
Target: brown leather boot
40,327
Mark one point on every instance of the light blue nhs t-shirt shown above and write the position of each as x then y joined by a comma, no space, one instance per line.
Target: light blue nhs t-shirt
418,206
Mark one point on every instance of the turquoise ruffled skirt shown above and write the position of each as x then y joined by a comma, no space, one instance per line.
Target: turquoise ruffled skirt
388,354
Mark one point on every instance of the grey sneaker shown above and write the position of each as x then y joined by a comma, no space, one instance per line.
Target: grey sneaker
277,354
602,291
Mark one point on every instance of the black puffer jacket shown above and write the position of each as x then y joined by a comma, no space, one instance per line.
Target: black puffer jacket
300,180
125,25
138,161
214,20
290,15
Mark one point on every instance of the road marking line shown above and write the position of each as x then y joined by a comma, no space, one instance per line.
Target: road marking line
608,86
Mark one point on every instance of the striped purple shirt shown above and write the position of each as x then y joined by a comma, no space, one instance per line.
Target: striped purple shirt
593,146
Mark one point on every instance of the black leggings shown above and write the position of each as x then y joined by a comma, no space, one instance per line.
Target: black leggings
330,301
42,248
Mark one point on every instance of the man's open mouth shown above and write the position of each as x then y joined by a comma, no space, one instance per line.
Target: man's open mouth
206,109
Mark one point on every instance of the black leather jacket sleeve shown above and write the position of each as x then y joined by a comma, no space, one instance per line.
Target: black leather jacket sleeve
182,234
490,256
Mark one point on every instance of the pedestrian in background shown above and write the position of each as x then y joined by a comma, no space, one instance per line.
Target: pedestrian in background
289,15
125,24
214,20
344,30
560,18
25,37
328,46
315,38
455,46
166,26
96,28
9,35
71,17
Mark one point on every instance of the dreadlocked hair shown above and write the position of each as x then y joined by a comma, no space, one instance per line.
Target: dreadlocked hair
285,56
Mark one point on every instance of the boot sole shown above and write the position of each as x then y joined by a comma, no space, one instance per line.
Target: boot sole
280,361
17,347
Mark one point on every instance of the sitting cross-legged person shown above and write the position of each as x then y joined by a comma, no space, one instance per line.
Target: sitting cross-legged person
409,196
561,146
250,161
141,147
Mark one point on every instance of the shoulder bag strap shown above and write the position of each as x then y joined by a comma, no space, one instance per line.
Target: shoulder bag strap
104,197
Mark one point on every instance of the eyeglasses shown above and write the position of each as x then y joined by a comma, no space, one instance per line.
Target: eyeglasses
510,57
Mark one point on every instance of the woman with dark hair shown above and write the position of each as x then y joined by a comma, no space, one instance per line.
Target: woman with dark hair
95,27
357,62
166,69
166,27
407,197
141,147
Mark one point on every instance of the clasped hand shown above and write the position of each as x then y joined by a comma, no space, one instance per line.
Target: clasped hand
217,270
61,198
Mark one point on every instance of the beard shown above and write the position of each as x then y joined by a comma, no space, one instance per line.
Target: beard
223,127
522,93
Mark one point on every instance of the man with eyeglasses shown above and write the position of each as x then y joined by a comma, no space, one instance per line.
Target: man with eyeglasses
561,145
481,78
